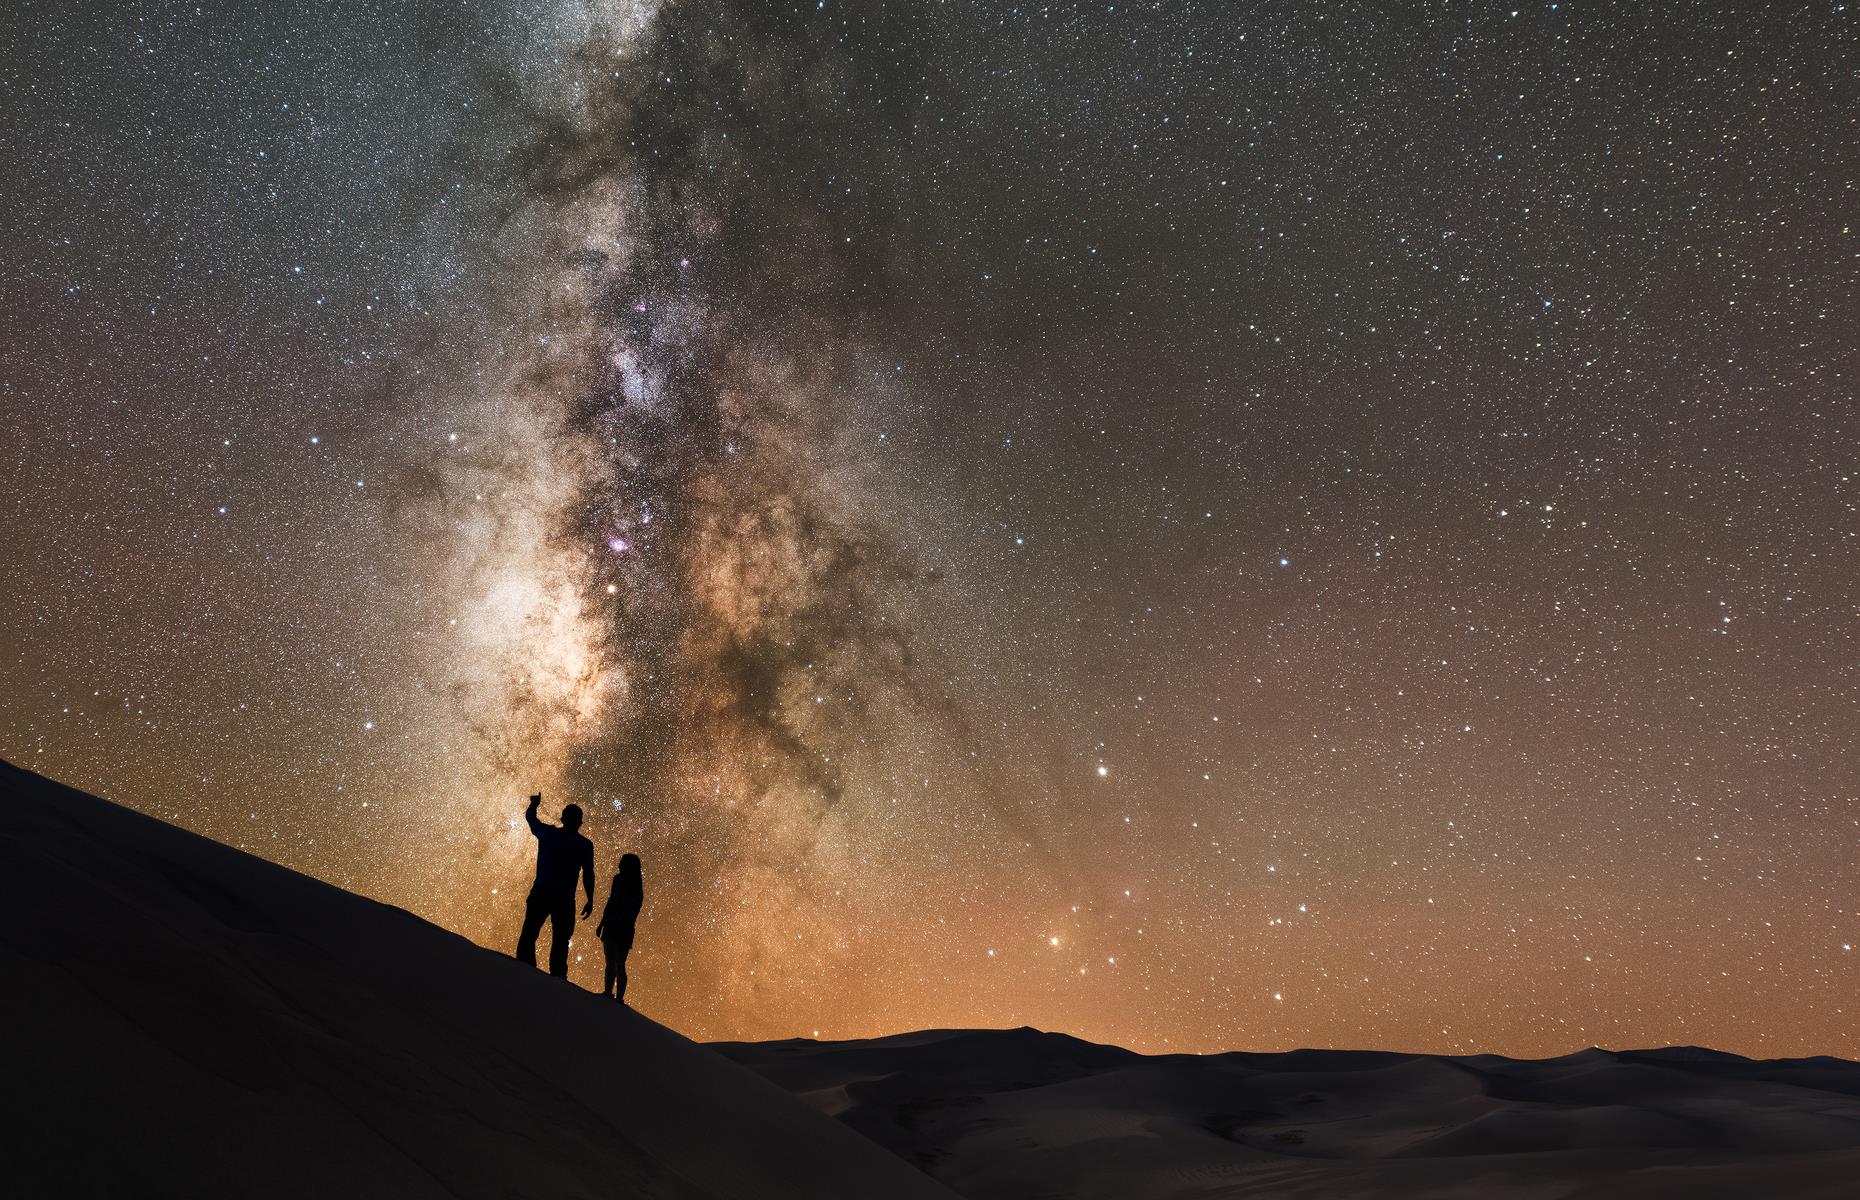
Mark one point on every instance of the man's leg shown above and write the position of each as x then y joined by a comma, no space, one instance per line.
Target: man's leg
561,929
534,912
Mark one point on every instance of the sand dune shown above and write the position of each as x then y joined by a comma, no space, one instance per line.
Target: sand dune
1013,1114
187,1020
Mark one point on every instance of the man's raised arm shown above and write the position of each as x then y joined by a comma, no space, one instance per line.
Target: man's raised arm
529,814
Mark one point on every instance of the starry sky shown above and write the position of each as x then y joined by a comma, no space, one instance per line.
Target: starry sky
1199,525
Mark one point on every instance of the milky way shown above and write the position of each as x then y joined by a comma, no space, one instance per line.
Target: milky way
695,615
1201,526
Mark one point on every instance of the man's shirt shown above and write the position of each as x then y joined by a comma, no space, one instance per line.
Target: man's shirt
561,855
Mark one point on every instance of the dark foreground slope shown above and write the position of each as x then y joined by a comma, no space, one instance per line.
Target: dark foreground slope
182,1019
1017,1114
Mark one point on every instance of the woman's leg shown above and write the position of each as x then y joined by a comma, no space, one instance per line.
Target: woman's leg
618,959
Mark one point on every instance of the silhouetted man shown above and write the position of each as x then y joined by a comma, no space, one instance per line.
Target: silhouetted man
561,854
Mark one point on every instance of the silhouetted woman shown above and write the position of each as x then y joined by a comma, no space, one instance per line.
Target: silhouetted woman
616,927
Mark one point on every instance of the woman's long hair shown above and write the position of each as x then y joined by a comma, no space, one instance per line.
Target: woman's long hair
627,880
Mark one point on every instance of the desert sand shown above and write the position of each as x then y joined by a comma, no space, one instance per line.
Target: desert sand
1015,1114
187,1020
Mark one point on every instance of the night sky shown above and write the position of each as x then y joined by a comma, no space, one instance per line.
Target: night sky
1201,526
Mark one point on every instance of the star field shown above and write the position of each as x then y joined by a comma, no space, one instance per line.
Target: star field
1199,526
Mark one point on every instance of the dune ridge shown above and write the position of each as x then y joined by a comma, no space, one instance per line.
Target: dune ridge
1018,1113
185,1019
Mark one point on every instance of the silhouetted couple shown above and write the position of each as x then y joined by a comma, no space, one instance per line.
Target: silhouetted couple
562,853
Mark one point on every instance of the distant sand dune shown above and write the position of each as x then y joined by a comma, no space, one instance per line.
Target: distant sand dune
1015,1113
